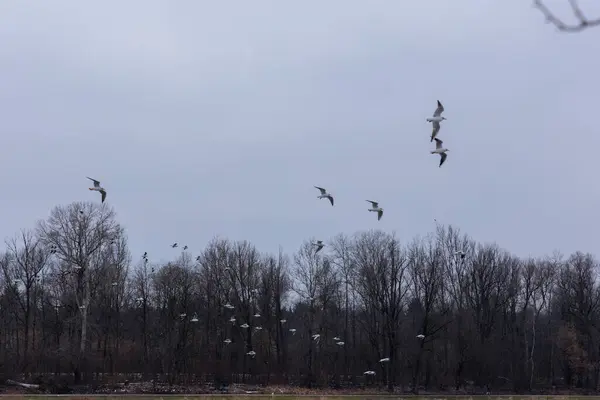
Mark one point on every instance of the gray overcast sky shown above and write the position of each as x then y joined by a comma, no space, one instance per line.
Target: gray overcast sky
206,118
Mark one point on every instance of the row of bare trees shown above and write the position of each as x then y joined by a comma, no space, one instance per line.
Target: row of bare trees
70,302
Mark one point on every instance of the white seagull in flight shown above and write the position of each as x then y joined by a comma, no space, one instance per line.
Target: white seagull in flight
440,150
98,188
324,195
376,209
436,119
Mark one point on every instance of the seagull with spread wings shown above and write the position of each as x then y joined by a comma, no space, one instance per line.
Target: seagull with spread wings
436,119
439,149
376,208
325,195
98,188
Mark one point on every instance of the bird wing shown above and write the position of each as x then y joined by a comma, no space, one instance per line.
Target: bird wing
103,195
436,129
96,183
379,214
438,143
373,203
323,191
331,199
443,158
439,110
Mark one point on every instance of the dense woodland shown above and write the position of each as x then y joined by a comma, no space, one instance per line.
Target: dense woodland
74,300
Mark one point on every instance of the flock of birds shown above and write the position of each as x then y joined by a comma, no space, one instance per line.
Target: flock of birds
435,120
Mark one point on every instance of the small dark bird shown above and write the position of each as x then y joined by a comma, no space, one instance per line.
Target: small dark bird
185,247
145,256
174,245
460,253
319,245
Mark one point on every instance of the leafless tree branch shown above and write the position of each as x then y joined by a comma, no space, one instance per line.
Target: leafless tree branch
582,21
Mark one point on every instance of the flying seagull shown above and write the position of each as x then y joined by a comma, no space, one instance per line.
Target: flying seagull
420,336
376,209
324,195
440,150
337,338
319,244
245,326
369,372
293,330
227,341
251,353
340,343
384,360
436,119
283,321
98,188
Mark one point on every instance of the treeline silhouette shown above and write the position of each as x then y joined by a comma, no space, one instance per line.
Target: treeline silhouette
74,301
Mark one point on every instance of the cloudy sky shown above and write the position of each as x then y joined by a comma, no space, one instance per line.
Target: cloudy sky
205,118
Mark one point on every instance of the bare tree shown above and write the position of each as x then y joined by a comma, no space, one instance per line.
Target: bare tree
276,280
427,280
383,287
342,247
458,250
77,232
27,260
539,277
142,292
316,282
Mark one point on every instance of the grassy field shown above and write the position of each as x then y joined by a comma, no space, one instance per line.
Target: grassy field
291,397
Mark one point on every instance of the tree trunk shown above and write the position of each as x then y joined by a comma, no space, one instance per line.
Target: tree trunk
81,359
